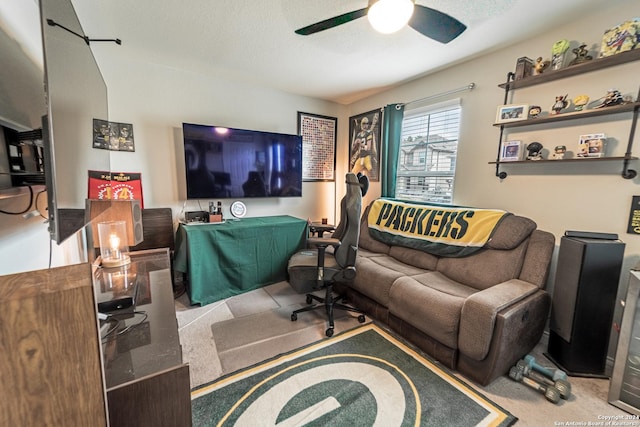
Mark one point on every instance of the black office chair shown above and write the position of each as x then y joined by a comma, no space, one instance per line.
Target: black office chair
318,268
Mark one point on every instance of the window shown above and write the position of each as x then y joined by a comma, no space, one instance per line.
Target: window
428,151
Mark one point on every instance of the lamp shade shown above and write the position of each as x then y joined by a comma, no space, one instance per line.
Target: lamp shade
389,16
113,243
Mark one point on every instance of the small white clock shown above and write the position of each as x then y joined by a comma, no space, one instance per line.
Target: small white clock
238,209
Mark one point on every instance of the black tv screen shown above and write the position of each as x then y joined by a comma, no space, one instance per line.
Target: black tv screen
223,162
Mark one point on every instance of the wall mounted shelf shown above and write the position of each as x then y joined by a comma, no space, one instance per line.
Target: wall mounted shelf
581,159
605,111
572,71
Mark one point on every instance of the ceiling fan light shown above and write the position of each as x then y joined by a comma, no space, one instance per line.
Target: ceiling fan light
389,16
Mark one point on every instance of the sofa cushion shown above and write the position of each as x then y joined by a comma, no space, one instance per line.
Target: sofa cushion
365,253
486,268
374,277
366,241
419,301
511,231
414,257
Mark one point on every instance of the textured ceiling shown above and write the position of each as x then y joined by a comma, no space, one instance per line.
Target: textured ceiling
254,41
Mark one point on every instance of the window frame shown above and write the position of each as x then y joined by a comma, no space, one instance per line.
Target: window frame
437,185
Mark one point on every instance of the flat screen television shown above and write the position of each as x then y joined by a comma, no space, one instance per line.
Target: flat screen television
223,162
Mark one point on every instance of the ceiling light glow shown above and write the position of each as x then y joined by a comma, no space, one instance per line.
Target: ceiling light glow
389,16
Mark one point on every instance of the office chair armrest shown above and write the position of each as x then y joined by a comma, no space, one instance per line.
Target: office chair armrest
323,242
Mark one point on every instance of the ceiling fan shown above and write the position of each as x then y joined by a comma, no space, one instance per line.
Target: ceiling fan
429,22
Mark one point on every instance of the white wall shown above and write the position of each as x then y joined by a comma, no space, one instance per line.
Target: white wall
158,99
559,197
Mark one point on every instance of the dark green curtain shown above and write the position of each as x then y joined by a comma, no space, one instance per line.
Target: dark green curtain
391,131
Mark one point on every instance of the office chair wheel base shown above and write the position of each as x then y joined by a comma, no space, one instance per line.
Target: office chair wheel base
361,318
309,299
329,332
294,317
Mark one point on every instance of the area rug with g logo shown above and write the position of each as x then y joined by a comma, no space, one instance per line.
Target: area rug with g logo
363,377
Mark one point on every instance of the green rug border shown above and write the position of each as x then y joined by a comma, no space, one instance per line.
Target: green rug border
384,331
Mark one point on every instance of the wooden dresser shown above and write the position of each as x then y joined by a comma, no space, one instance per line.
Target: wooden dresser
146,380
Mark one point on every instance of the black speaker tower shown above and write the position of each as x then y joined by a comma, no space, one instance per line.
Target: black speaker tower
584,298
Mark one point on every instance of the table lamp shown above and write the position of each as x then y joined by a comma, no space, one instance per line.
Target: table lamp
114,250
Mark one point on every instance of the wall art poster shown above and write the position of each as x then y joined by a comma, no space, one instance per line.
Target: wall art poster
105,185
113,136
364,153
318,146
633,227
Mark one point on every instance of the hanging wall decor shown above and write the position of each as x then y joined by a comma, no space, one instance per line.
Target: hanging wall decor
113,136
318,146
364,150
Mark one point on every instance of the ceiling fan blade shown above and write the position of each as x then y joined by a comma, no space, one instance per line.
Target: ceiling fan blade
436,25
332,22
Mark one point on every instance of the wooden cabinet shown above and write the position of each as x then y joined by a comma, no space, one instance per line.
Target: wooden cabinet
146,380
49,365
51,346
567,72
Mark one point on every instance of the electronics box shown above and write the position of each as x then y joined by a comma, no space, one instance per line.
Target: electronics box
524,68
196,216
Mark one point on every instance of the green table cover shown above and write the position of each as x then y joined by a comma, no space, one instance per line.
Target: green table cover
236,256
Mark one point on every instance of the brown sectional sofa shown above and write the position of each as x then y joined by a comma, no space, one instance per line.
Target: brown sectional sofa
477,314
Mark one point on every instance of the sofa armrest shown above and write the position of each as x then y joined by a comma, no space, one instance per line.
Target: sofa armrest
535,268
479,313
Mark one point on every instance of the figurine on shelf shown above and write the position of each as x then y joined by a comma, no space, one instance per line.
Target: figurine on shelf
558,53
534,151
558,152
541,65
580,101
613,97
560,104
582,55
534,111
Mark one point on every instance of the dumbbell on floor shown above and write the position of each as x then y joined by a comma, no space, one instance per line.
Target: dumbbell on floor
563,386
550,393
552,373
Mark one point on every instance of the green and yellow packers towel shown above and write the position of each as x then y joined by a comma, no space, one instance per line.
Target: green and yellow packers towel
438,230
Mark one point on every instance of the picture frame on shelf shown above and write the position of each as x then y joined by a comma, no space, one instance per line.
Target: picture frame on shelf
591,145
511,151
512,113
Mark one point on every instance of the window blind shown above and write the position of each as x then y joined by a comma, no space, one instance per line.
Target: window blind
428,152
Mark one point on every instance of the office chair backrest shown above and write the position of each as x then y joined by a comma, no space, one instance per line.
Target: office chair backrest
349,226
363,180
